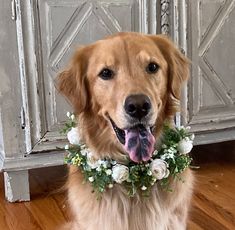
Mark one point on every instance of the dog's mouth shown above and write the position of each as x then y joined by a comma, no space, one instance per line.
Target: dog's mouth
138,140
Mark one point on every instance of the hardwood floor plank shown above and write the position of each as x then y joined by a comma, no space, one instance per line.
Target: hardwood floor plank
24,217
206,221
46,212
3,216
193,226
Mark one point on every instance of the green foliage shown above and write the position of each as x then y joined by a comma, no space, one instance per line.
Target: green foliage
70,123
141,178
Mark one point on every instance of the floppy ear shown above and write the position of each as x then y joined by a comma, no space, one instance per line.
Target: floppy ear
73,83
178,68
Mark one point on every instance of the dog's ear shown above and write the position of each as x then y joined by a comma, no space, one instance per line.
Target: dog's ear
72,82
178,67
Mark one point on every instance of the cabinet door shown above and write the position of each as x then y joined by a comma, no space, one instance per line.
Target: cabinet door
211,48
51,31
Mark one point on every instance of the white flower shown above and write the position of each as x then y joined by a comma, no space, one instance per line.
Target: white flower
72,117
143,188
103,163
155,152
84,152
192,137
113,162
185,146
110,185
108,172
154,180
68,114
167,156
91,161
98,169
120,173
159,169
91,179
73,136
170,156
66,147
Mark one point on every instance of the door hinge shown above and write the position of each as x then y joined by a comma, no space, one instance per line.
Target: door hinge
13,10
22,118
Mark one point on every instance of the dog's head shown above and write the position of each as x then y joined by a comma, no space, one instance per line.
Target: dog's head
129,81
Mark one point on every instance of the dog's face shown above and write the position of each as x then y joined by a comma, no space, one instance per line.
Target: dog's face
130,80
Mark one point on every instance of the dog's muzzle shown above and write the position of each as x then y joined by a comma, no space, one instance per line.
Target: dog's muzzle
137,138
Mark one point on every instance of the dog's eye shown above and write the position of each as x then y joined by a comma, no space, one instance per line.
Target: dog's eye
152,68
106,74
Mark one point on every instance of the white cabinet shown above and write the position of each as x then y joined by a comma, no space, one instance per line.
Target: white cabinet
42,36
38,37
211,48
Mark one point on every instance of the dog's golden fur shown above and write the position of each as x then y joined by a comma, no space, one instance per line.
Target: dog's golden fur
95,99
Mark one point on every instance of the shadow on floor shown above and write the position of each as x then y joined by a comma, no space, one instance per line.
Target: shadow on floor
218,152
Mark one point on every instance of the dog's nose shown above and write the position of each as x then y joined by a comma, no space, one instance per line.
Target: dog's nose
137,106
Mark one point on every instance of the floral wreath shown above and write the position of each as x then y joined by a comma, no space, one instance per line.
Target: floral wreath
169,160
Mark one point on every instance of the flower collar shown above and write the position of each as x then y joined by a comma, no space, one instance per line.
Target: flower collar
168,160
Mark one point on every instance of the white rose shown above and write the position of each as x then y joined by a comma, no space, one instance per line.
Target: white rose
159,169
73,136
185,146
120,173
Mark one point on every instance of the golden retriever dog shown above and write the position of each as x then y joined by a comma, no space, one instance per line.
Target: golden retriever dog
124,81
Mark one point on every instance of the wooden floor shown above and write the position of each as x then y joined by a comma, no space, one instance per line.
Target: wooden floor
213,206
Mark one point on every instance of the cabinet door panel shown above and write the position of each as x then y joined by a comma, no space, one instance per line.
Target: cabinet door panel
211,47
58,28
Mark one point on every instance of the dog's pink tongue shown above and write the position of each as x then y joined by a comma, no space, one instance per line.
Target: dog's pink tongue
139,143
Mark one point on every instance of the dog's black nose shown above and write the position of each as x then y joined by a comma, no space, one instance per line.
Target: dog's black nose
137,106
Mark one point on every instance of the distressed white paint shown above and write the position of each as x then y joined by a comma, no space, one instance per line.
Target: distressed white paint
143,23
17,186
152,14
5,82
210,101
13,10
179,21
11,134
33,161
22,68
2,148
